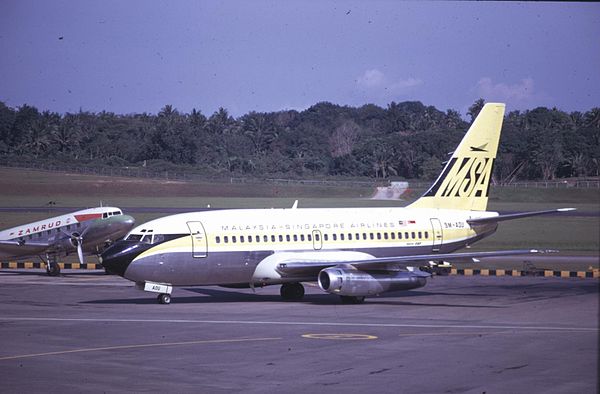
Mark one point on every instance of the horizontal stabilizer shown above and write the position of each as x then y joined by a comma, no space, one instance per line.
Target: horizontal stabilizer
511,216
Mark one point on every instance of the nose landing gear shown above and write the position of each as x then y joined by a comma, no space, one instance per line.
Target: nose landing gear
164,299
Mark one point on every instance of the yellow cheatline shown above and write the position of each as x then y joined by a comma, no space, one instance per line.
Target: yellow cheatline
344,337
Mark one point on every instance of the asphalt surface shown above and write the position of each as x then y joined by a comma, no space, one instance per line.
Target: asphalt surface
90,332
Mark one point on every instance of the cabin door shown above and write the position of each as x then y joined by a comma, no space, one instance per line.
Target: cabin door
438,235
317,240
199,241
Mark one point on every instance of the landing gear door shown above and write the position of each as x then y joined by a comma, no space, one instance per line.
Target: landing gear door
199,241
438,235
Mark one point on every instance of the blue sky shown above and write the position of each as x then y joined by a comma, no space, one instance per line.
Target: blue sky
137,56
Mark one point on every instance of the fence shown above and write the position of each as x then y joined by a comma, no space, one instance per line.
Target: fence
186,176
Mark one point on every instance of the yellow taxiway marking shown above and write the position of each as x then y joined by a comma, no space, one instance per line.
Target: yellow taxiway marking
343,337
147,345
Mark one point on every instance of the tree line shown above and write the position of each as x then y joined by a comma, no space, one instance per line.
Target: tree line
405,140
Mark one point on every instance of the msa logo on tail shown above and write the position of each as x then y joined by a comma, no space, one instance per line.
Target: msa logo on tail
469,177
465,181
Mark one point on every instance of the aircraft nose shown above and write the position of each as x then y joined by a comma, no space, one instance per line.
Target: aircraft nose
126,223
117,257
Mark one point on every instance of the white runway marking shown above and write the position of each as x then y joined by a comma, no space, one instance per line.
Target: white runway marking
308,323
146,345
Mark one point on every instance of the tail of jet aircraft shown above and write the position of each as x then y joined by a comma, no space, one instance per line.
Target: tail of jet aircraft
464,182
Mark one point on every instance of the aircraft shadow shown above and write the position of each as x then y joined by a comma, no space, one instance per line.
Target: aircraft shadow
216,296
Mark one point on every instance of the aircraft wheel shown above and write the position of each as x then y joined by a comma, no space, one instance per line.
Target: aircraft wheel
53,270
352,299
164,299
292,291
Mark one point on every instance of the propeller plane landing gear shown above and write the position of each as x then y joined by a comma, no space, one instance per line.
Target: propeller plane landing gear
292,291
52,267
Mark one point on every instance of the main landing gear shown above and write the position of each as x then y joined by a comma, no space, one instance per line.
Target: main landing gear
352,299
52,267
292,291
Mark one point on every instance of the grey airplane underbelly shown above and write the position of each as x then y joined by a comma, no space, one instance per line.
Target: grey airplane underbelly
222,268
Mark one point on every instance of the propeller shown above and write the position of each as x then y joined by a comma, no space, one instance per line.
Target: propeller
77,241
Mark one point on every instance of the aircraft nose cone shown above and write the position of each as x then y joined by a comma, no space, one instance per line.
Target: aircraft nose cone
117,257
126,223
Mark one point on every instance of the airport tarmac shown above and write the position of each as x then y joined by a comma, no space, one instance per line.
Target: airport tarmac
90,332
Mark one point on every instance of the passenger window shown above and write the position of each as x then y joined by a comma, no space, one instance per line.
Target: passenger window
393,235
325,237
258,238
349,236
309,237
365,236
302,237
272,238
413,235
426,235
265,238
226,239
342,237
420,235
218,239
233,239
318,238
406,235
241,238
281,238
287,237
295,238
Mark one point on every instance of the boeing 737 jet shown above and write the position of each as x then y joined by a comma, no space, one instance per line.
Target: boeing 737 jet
351,252
85,231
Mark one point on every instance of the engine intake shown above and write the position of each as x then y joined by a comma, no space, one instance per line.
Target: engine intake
352,282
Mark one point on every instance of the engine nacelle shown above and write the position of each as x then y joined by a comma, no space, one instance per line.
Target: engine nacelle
352,282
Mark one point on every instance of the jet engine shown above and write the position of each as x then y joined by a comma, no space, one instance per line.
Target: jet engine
355,283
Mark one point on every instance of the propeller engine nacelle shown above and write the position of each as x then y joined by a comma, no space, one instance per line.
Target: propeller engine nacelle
352,282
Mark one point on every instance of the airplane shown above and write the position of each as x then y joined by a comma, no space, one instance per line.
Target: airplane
351,252
86,231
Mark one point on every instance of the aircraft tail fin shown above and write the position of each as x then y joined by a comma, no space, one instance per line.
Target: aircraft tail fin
465,180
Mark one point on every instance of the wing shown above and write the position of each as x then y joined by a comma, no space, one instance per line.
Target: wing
22,248
311,267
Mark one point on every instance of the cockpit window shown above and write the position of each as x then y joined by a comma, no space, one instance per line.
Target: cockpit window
109,214
134,237
148,237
